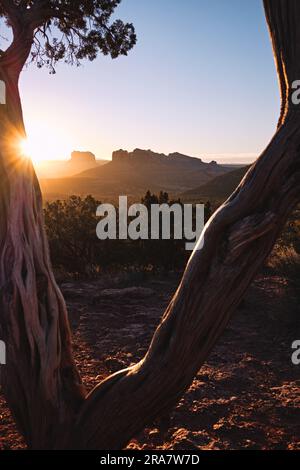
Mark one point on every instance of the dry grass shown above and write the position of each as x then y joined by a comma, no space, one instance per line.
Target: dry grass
285,261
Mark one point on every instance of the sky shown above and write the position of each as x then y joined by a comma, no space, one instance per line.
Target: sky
201,81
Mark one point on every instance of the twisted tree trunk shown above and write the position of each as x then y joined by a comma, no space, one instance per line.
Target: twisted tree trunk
41,382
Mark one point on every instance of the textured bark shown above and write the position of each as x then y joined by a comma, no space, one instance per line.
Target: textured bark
237,240
41,382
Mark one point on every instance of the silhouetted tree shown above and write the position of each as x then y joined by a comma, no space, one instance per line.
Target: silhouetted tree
43,31
75,248
149,199
163,197
40,381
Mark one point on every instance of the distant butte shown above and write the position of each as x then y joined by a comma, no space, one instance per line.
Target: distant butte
82,157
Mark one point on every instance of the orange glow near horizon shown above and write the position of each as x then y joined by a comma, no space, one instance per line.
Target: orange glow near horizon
43,144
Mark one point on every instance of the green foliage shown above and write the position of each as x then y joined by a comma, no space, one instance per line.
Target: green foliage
75,248
70,227
70,30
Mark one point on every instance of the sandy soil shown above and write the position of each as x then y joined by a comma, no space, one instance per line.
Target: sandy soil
247,396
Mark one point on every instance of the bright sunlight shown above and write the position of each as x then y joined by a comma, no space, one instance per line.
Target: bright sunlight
43,144
25,148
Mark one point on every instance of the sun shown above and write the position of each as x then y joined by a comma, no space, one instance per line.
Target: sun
43,144
25,149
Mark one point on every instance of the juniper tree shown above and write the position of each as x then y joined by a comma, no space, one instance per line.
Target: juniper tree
40,380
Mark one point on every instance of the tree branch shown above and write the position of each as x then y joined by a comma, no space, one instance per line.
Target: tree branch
10,9
237,240
217,276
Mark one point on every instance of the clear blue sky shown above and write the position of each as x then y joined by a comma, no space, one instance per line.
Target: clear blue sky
201,81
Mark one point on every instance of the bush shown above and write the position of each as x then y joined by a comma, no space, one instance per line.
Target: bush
290,236
75,248
70,227
286,261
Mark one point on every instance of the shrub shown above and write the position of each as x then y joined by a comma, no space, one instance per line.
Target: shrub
285,260
75,248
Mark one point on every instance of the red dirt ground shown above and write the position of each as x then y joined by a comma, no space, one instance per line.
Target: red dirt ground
247,395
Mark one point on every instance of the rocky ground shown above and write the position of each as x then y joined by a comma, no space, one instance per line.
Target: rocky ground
247,395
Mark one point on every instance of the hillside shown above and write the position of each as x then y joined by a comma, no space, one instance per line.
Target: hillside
218,188
79,161
133,173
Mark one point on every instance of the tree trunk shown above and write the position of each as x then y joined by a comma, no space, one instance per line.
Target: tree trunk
41,381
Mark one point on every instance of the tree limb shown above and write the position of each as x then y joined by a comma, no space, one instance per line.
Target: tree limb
237,240
214,283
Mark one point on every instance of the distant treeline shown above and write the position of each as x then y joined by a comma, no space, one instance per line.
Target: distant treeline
75,248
